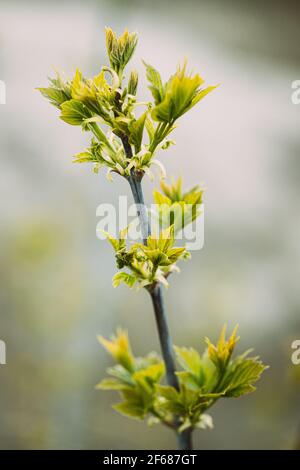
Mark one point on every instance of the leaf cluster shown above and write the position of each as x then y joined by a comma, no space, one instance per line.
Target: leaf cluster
203,379
108,107
176,207
148,264
133,377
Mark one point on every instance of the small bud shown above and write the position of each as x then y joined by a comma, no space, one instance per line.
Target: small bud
120,49
133,82
110,41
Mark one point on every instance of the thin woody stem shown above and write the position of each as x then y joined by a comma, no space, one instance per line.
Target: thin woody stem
184,438
164,334
137,192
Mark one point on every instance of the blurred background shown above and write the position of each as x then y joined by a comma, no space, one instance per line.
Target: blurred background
242,141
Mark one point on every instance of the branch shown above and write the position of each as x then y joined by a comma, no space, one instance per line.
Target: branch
137,192
184,438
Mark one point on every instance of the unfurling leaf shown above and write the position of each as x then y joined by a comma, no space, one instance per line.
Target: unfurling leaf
58,92
180,94
131,409
220,353
135,383
56,97
136,129
128,279
119,348
74,112
133,82
120,49
241,376
156,87
111,384
189,359
201,382
176,207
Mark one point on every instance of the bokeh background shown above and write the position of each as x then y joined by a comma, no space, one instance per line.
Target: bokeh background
242,141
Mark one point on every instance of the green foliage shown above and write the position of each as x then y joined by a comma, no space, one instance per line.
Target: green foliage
120,50
119,348
220,353
125,141
203,379
136,129
133,82
134,378
105,153
103,106
58,92
155,84
173,99
147,264
74,112
176,207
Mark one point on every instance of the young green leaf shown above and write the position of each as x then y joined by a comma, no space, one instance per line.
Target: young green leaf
220,353
74,112
133,82
111,384
119,348
56,96
131,409
128,279
241,376
181,93
136,129
156,87
120,49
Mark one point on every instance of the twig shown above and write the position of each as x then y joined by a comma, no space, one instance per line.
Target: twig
185,437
